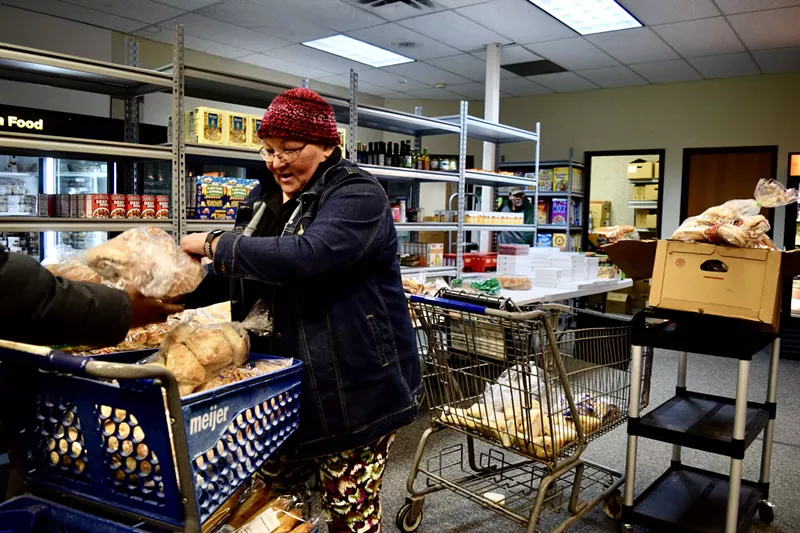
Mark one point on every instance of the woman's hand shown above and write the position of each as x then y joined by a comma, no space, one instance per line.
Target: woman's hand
194,244
149,310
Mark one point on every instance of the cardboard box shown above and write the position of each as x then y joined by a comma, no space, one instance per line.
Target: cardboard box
657,169
619,303
208,126
558,211
601,213
560,241
117,206
435,254
545,180
255,124
238,130
641,286
541,212
639,301
742,283
215,213
645,220
650,192
561,179
640,170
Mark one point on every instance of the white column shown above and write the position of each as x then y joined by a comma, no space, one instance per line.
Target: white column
491,112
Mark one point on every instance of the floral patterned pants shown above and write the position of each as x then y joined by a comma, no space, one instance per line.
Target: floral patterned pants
350,482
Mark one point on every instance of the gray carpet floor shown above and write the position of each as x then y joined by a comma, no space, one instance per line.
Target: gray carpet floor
447,512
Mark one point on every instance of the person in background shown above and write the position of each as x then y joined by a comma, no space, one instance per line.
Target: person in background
321,251
518,203
39,308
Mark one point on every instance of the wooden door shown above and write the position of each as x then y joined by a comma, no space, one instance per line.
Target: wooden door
712,176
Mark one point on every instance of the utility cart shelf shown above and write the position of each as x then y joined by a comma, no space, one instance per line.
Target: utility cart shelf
691,500
701,422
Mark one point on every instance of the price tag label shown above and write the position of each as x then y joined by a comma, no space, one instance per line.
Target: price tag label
267,522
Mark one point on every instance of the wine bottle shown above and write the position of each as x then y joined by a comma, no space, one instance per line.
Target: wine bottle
381,154
408,159
426,159
396,155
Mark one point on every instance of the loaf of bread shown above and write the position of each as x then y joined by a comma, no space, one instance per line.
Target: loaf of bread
74,271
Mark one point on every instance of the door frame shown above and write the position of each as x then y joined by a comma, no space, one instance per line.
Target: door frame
689,152
587,162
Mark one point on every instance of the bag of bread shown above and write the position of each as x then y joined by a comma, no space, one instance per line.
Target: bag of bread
69,263
148,260
738,222
196,353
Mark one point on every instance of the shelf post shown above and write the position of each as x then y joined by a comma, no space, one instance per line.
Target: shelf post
179,136
351,139
462,187
739,421
769,431
131,118
536,190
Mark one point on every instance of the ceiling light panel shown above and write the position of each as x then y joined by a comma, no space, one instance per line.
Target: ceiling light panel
589,16
347,47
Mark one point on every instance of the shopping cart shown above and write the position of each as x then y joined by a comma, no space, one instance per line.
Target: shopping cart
531,398
118,439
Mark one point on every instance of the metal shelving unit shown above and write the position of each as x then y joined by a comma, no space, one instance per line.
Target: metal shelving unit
37,224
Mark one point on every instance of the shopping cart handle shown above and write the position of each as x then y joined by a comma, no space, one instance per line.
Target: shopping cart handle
449,304
42,356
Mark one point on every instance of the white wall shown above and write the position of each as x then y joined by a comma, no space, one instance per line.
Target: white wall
25,28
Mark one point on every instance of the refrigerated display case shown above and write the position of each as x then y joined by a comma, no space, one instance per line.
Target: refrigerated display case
76,176
20,184
790,321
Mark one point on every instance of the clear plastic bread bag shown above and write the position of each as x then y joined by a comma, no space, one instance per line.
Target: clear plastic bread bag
738,222
148,260
69,263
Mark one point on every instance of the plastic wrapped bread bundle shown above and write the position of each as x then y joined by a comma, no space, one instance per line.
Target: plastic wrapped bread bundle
148,260
69,263
738,222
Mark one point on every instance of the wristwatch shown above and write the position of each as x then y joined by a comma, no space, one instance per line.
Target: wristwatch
210,239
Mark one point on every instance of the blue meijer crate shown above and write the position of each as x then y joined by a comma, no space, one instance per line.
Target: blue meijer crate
110,442
27,514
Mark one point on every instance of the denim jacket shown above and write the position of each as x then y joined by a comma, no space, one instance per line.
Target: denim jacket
332,283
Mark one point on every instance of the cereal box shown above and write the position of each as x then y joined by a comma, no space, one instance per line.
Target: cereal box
558,211
162,206
208,126
238,130
97,205
435,254
560,178
544,240
545,179
133,206
560,241
116,206
255,125
148,206
541,212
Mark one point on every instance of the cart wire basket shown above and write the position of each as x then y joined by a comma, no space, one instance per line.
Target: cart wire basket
535,396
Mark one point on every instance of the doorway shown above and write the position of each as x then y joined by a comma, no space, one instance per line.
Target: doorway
712,176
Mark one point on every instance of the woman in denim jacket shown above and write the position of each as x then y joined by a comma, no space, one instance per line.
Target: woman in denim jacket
321,251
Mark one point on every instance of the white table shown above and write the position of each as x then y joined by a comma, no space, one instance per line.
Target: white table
574,289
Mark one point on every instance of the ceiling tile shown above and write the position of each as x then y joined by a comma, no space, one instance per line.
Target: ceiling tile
188,5
289,67
464,65
265,19
725,66
613,77
397,10
78,14
563,82
426,74
523,87
455,30
764,30
434,94
194,43
672,71
343,80
741,6
395,82
395,96
303,55
664,11
144,10
784,60
520,21
390,36
697,38
511,54
455,4
573,54
334,14
222,32
637,45
473,91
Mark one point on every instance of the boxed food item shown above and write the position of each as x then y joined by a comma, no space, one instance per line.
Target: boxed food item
186,124
541,212
645,192
74,202
96,206
133,206
558,211
238,132
577,179
237,191
435,254
148,206
47,205
601,213
645,220
207,126
116,206
162,206
561,179
544,240
545,179
560,241
255,125
619,303
211,191
639,169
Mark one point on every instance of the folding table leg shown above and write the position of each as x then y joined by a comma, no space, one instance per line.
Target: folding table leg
739,420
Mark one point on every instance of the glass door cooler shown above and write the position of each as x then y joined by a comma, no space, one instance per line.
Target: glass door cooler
20,185
75,177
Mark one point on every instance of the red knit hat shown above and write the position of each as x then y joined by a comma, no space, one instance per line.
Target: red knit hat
300,115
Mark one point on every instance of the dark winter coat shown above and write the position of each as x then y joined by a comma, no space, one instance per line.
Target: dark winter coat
332,281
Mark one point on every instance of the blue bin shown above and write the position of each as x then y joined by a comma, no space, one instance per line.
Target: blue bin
28,514
109,443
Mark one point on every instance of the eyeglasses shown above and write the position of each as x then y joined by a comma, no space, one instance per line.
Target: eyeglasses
286,157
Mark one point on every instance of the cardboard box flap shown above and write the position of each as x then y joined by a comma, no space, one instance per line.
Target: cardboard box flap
694,248
758,254
635,258
790,263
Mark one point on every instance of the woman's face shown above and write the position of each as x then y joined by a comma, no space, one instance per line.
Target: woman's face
297,165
